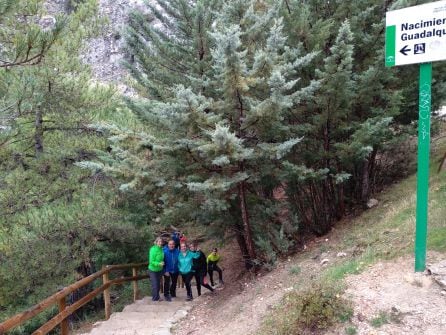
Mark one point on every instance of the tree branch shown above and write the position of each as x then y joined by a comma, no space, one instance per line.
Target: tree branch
27,61
287,6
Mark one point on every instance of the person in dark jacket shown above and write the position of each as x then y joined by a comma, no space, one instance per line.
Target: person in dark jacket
200,268
176,239
170,270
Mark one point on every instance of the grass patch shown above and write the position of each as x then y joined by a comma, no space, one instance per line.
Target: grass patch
351,330
436,239
381,233
351,266
379,321
295,270
336,273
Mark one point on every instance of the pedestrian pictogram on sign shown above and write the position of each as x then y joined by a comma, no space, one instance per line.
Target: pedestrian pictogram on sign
420,48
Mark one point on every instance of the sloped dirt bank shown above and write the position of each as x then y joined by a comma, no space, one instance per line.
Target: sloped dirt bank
389,298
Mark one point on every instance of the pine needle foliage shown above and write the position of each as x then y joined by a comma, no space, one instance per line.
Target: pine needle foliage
362,112
216,83
24,38
57,222
240,100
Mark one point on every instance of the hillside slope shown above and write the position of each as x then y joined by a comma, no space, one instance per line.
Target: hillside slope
267,304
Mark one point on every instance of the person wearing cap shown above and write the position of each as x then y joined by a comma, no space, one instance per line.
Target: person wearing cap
212,260
200,268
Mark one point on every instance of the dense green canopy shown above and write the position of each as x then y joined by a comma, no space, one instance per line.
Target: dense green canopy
257,120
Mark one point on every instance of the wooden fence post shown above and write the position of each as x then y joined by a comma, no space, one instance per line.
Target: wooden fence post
65,310
64,329
107,305
135,284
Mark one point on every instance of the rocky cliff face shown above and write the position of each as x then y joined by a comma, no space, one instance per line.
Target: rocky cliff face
105,53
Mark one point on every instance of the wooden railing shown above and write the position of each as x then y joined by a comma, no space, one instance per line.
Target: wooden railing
59,298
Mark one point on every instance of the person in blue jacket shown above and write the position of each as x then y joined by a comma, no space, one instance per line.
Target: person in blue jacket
170,270
176,239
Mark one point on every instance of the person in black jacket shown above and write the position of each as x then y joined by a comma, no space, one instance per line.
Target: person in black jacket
200,269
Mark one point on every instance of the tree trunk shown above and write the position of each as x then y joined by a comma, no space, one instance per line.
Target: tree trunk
242,191
327,143
38,134
341,201
245,219
288,6
372,165
242,245
339,190
365,185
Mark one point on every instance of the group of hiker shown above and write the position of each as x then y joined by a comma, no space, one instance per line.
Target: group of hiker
177,258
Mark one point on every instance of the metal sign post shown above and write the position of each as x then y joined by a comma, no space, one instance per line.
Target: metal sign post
417,35
424,117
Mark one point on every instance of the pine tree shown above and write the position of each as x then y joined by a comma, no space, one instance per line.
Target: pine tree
328,121
239,98
57,222
45,106
362,110
169,45
52,94
216,92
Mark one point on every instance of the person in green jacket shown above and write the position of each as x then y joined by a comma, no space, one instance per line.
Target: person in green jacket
212,261
156,264
185,267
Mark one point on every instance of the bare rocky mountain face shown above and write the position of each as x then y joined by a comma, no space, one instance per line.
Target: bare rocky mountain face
105,53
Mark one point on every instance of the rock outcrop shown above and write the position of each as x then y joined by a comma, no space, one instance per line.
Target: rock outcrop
438,272
105,53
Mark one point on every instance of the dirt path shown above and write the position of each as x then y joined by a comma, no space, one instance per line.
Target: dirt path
392,293
388,299
240,306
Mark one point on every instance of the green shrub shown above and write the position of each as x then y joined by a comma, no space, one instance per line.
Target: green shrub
310,311
351,330
322,307
295,270
380,320
33,324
